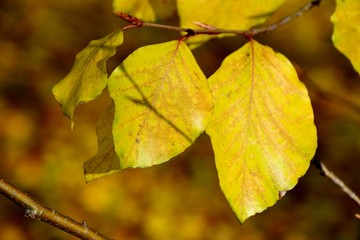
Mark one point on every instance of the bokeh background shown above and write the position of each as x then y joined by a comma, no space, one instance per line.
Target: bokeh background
180,199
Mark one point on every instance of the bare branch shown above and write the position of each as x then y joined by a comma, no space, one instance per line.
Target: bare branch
136,22
286,19
36,210
337,181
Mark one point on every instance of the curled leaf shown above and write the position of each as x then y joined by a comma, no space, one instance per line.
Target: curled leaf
88,77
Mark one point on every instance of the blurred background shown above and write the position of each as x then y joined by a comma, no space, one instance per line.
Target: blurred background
180,199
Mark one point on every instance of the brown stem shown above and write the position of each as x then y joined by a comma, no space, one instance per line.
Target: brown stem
286,19
136,22
337,181
36,210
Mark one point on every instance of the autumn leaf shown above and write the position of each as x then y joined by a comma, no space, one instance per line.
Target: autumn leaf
88,77
346,36
105,162
262,128
241,15
162,104
146,10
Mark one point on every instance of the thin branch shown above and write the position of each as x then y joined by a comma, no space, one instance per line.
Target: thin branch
36,210
210,30
136,22
286,19
337,181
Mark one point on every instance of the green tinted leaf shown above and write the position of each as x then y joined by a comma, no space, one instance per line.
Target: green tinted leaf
262,129
106,161
162,102
146,10
88,77
346,35
228,14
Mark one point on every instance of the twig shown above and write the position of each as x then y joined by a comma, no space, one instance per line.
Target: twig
136,22
36,210
286,19
332,177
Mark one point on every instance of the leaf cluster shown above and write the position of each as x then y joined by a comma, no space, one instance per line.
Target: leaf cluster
254,108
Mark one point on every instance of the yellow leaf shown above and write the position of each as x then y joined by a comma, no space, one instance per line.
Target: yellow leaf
346,36
146,10
162,104
88,77
227,14
105,162
262,128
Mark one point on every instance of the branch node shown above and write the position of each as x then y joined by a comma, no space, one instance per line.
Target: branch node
190,32
249,35
31,213
84,224
133,20
316,2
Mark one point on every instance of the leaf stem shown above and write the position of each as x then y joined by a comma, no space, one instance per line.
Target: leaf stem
36,210
210,30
